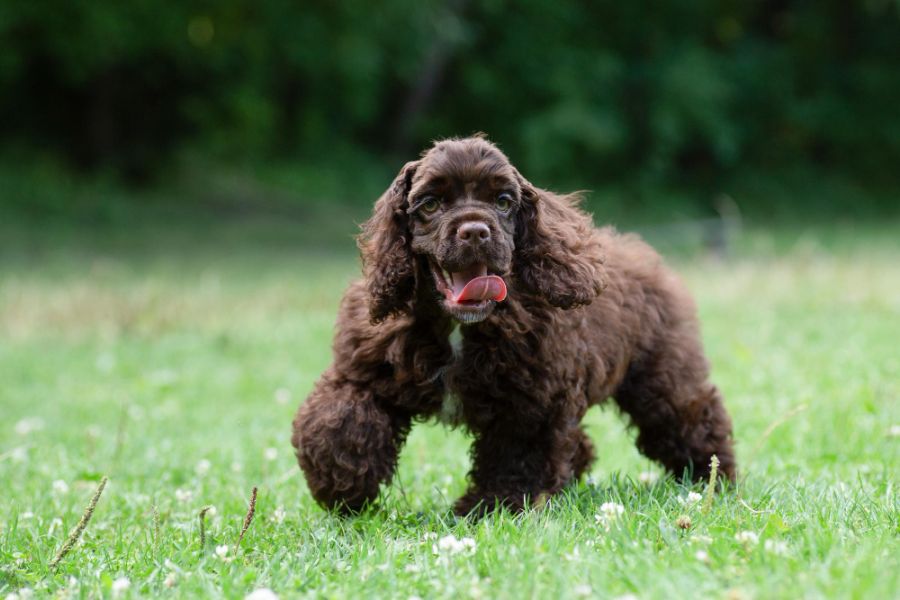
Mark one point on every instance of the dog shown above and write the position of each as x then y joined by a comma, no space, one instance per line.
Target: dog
555,315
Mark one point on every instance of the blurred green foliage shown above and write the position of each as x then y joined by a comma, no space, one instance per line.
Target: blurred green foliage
683,92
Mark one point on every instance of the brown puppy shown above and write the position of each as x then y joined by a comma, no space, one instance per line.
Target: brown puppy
556,316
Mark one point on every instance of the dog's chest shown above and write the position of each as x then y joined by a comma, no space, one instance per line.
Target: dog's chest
451,413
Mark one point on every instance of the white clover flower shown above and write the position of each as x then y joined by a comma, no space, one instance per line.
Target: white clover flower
573,556
19,454
279,515
162,377
583,590
25,516
22,594
56,522
475,591
648,477
270,454
184,495
211,511
105,362
609,512
894,431
236,467
691,499
222,551
170,580
747,537
60,486
261,594
282,396
777,547
202,467
702,556
28,425
450,545
120,586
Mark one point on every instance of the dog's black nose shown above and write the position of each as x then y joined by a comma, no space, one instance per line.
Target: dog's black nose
474,232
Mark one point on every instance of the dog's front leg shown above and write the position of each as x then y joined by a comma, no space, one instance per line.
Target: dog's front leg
515,469
347,444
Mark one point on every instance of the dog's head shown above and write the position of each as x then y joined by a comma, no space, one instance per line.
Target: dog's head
462,227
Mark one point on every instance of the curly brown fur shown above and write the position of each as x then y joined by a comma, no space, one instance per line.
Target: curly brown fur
590,314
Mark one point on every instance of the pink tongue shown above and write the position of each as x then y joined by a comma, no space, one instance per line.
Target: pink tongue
486,287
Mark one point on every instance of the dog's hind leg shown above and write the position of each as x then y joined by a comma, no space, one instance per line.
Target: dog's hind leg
679,414
347,445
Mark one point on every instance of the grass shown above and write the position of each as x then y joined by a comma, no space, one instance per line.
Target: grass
172,362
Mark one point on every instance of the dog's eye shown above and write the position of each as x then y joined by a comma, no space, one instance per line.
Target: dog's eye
504,201
430,204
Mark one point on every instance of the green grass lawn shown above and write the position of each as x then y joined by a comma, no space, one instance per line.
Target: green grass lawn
173,365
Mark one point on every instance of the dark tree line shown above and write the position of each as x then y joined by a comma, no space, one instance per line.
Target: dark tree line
656,89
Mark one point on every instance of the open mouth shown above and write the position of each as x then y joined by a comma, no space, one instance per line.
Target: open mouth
469,291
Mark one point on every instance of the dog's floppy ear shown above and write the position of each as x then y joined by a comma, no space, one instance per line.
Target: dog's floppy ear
388,263
558,254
